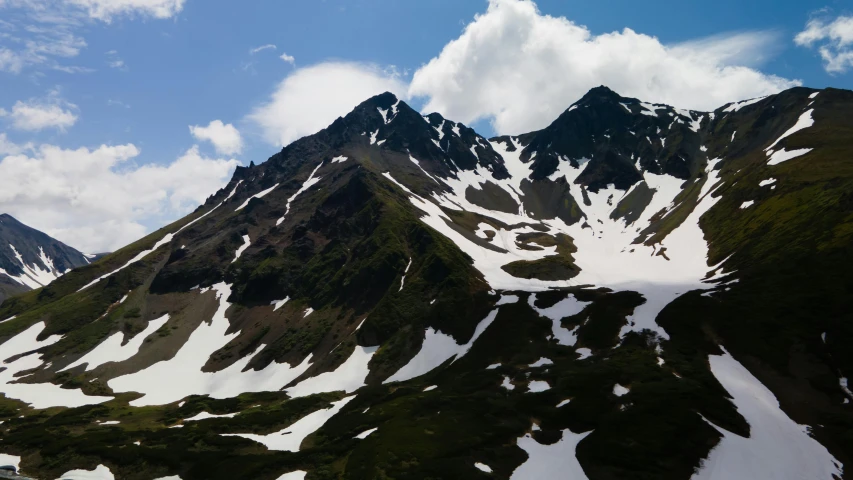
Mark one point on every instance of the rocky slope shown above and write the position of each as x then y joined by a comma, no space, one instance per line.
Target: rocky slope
30,259
635,291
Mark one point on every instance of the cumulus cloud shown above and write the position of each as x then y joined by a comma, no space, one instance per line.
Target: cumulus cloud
833,39
288,58
98,199
255,50
311,98
39,114
521,69
224,137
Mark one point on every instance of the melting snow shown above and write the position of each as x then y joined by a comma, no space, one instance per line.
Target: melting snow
99,473
815,94
493,366
171,380
746,204
567,307
289,439
365,434
308,311
340,159
247,242
39,395
350,376
305,186
430,388
205,416
738,105
163,241
279,303
112,350
538,386
482,467
551,461
564,403
294,475
507,384
805,121
403,280
619,390
436,349
777,447
541,363
769,181
583,353
261,194
784,155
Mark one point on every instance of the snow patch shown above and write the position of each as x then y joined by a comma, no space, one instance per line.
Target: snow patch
112,350
260,194
247,242
551,461
784,155
365,434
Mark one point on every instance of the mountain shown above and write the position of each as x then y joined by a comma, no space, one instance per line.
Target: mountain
633,292
30,259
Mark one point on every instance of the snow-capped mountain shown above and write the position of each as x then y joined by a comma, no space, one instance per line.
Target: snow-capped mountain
30,259
635,291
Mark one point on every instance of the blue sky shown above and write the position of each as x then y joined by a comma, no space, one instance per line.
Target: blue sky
126,73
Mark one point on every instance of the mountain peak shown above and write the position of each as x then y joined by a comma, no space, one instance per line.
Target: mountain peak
601,93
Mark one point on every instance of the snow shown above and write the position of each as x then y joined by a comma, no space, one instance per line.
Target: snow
507,299
805,121
279,303
39,395
111,422
567,307
384,114
9,319
777,447
403,280
626,107
584,353
339,159
418,164
308,311
660,362
247,242
365,434
312,180
538,386
205,416
769,181
171,380
373,136
747,204
260,194
12,460
112,350
815,94
33,276
289,439
163,241
350,376
784,155
493,366
842,382
541,362
99,473
233,191
173,477
564,403
738,105
294,475
620,391
483,467
507,384
551,461
438,348
733,136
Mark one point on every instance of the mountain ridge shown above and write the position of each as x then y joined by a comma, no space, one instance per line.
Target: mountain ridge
551,299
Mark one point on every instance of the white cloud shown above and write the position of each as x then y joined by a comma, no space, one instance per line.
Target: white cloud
106,10
39,114
261,48
224,137
7,147
311,98
39,33
99,200
521,69
288,58
834,41
114,61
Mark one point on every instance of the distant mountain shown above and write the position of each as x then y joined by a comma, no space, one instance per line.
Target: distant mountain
30,259
633,292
